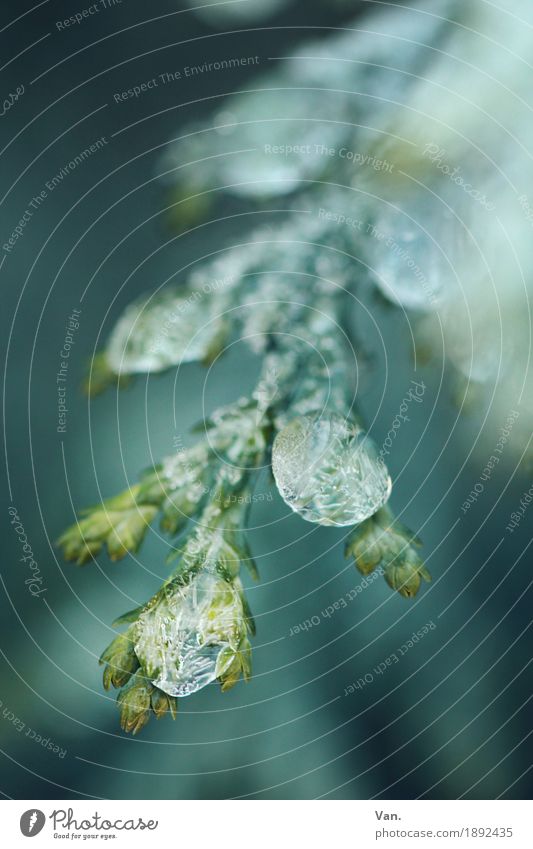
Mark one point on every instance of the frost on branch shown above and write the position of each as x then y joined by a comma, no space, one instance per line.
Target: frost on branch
373,216
194,631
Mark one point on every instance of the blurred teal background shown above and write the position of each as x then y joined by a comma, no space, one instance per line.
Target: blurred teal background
453,717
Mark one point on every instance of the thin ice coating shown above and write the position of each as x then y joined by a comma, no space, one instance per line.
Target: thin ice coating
328,470
181,638
404,248
165,330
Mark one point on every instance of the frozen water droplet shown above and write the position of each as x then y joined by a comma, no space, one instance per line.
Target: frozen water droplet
327,469
180,639
163,330
412,251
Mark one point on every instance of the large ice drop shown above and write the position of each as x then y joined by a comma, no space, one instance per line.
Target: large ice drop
328,470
